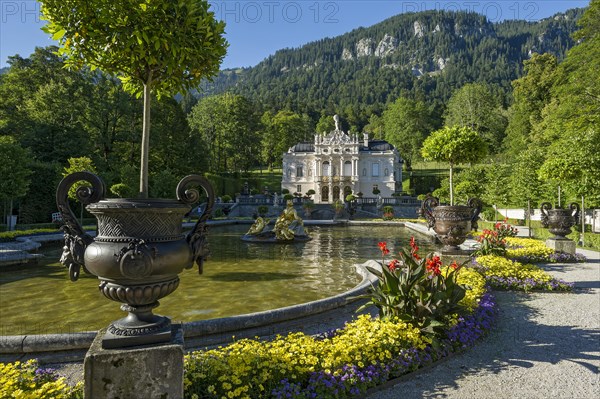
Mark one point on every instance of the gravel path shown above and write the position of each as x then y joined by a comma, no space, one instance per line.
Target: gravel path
545,345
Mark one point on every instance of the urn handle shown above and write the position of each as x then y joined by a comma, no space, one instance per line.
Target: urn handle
135,259
574,210
197,237
427,209
476,205
544,208
76,239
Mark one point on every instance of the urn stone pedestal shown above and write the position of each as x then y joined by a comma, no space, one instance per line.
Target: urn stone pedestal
566,245
559,222
143,372
455,256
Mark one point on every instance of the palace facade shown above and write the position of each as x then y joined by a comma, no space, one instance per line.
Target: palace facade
338,164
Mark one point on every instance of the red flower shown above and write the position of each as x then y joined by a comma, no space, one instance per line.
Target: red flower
393,265
497,225
433,265
383,247
414,249
454,265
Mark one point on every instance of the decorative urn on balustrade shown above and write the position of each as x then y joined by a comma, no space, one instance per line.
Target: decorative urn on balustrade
451,223
138,252
559,221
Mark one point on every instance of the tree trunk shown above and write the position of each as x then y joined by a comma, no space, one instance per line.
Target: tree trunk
451,188
10,214
145,143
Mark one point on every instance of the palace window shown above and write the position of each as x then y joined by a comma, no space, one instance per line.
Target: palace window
299,171
375,169
326,168
347,168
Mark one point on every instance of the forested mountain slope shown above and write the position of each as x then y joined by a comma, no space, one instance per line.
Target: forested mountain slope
425,55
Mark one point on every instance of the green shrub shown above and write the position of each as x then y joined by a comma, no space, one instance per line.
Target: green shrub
262,210
226,198
388,212
122,190
421,292
11,235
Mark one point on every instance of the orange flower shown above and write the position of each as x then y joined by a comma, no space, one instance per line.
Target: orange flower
414,249
393,265
383,248
433,265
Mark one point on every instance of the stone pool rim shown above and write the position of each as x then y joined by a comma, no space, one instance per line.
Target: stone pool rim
16,347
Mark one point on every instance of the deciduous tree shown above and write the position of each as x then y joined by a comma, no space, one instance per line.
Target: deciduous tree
474,106
406,124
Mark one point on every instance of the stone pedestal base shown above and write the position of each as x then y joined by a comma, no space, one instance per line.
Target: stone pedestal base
567,246
460,256
136,372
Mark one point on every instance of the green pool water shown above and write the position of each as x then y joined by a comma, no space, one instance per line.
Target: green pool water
238,278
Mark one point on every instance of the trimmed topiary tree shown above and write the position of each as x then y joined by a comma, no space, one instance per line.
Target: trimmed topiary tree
155,47
454,145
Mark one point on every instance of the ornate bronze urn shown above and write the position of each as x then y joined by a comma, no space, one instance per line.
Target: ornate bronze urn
559,221
451,223
138,253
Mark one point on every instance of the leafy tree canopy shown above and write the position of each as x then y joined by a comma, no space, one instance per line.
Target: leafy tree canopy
13,169
406,124
474,105
153,46
168,45
454,145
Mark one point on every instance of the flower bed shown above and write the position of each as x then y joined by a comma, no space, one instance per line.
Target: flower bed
506,274
364,354
28,381
367,351
528,250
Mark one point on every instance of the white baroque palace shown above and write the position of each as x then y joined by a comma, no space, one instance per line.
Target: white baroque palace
338,164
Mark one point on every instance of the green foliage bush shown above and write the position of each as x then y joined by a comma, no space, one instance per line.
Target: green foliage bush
6,236
421,292
262,210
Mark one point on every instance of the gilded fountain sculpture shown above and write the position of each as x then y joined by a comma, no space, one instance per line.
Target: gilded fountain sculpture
288,227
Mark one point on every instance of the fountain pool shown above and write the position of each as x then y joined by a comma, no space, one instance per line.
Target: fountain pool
238,278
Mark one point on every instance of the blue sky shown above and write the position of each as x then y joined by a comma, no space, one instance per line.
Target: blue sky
256,29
